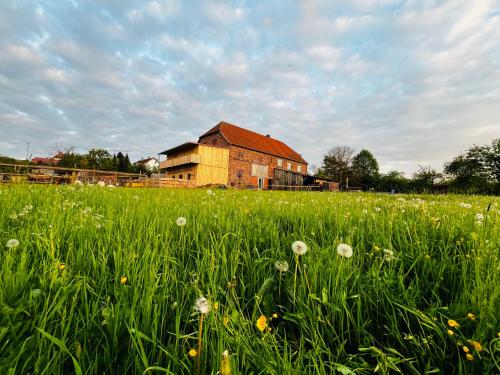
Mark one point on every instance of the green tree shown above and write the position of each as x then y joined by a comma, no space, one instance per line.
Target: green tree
425,178
337,163
365,171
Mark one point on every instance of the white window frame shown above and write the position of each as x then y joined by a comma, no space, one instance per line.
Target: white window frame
289,166
299,168
280,163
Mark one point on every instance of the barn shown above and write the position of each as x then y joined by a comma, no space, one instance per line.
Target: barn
231,155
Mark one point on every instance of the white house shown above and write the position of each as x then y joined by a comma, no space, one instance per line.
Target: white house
151,164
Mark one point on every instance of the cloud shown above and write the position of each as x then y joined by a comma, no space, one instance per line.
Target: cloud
414,82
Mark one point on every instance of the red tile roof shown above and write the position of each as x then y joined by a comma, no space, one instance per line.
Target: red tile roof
248,139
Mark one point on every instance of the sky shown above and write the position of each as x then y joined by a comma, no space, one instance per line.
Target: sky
415,82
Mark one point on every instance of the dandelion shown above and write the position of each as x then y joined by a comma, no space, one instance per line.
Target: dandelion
181,221
216,306
13,216
471,316
466,349
465,205
225,367
192,353
477,346
281,265
452,323
479,217
275,316
469,357
123,280
12,243
377,209
450,332
61,266
202,305
388,255
299,248
261,323
344,250
209,192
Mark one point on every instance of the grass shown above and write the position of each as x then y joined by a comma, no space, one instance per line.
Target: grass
66,308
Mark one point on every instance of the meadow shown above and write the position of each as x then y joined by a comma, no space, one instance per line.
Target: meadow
98,280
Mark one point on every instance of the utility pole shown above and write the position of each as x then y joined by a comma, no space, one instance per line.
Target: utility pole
27,151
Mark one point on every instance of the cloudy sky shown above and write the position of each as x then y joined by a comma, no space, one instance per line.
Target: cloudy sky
415,82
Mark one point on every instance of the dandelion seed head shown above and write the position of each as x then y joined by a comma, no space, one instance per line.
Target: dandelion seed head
202,305
181,221
344,250
299,248
209,192
479,217
281,265
388,255
12,243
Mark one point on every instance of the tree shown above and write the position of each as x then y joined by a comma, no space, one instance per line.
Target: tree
99,159
337,163
425,178
365,171
393,180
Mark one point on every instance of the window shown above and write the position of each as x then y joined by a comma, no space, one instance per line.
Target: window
280,162
299,168
189,176
173,176
180,177
289,166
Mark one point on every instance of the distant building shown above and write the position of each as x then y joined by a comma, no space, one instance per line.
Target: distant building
230,155
150,164
47,161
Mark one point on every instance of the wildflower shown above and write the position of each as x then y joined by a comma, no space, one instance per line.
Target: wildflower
123,280
275,316
465,349
261,323
181,221
450,332
12,243
376,248
452,323
281,265
469,357
202,305
388,255
216,305
13,216
477,346
61,266
299,248
479,217
225,366
471,316
225,320
192,353
377,209
209,192
465,205
344,250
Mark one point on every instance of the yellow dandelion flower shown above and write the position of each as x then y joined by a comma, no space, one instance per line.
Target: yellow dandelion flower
123,280
466,349
225,320
216,305
469,357
471,316
192,353
376,248
261,323
453,323
61,266
477,346
450,332
225,367
275,316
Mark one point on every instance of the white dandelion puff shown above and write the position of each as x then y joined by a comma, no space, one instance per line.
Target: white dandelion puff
344,250
12,243
281,265
465,205
181,221
209,192
388,255
299,248
479,217
377,209
202,305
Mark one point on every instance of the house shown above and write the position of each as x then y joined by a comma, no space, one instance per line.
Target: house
230,155
150,164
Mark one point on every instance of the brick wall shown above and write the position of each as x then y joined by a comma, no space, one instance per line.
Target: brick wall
241,160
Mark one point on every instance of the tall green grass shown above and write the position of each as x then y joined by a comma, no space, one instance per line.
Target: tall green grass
64,307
